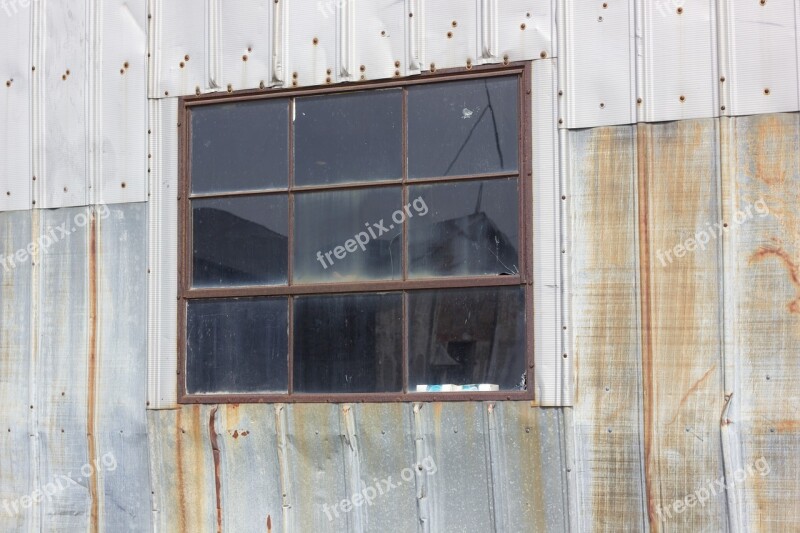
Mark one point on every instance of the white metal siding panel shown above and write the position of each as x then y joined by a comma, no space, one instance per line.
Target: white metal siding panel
122,121
762,56
677,59
523,30
162,261
552,375
15,130
379,37
598,50
450,33
178,53
65,81
244,47
311,38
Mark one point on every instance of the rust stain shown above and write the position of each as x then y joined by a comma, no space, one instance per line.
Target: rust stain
771,165
180,471
94,522
269,524
644,157
212,434
692,390
794,270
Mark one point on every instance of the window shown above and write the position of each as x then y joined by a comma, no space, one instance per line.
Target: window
367,242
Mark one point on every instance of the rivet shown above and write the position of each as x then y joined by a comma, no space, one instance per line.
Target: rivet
244,57
8,83
383,33
599,19
126,65
230,88
261,85
122,71
560,93
363,77
362,68
561,121
328,79
682,98
605,5
449,35
766,91
315,40
528,15
396,72
725,225
186,58
763,2
469,64
182,64
33,68
397,64
123,185
454,23
638,100
63,76
722,79
543,54
505,59
249,48
197,91
680,10
410,15
166,93
564,356
294,75
602,105
68,72
328,71
563,197
65,189
522,26
723,108
294,83
433,67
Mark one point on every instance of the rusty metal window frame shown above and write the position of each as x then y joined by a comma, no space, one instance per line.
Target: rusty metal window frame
522,71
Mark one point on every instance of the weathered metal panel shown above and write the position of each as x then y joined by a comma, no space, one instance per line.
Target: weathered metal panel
244,47
681,320
677,60
759,57
15,123
120,372
310,41
764,321
450,32
17,478
524,29
66,99
178,54
119,128
379,37
605,319
597,52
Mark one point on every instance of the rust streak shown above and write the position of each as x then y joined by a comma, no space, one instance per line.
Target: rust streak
269,524
646,312
181,475
794,270
217,481
94,524
692,390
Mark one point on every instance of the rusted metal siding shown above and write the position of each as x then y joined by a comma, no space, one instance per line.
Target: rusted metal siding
498,467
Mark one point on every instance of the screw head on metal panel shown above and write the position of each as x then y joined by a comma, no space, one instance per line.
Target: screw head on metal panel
230,88
722,79
522,26
186,57
9,82
605,5
680,10
682,98
315,41
543,54
638,100
454,23
766,91
362,68
602,105
433,67
449,35
244,57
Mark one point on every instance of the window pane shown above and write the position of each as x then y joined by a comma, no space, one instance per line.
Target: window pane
349,137
240,241
241,146
348,343
237,345
347,235
471,229
470,337
463,127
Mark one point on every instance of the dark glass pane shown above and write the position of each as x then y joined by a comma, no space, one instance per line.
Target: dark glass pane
463,127
348,137
241,146
347,235
348,343
464,337
237,345
240,241
471,229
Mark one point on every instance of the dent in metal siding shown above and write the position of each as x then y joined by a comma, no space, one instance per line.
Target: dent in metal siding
15,123
764,316
17,477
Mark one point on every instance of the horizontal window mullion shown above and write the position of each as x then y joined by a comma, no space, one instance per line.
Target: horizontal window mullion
346,288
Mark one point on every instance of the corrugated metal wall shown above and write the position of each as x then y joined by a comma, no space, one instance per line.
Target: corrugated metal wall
684,372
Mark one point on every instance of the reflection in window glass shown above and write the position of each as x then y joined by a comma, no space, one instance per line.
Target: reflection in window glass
348,343
463,127
348,137
471,229
237,345
240,241
241,146
347,235
467,337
